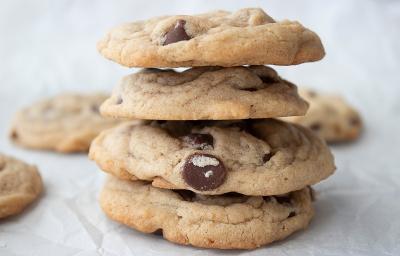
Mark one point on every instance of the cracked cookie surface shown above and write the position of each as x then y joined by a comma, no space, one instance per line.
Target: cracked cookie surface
253,157
204,93
67,122
230,221
20,185
220,38
330,116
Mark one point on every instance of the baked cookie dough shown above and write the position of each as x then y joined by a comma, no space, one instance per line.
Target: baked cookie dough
330,116
20,185
253,157
230,221
220,38
204,93
66,123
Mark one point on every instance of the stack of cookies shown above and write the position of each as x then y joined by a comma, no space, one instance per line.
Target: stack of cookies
210,167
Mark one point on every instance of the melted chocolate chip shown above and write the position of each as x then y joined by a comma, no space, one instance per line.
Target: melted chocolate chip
203,172
243,125
267,198
268,79
283,199
233,195
210,241
267,157
158,232
312,94
119,100
177,33
14,135
315,127
337,129
249,89
312,193
292,214
199,141
94,108
186,195
355,121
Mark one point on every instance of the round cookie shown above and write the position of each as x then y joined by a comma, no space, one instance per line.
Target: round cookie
20,185
67,122
220,38
330,116
254,157
230,221
204,93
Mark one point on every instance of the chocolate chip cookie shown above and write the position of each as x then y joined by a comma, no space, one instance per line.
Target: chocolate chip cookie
229,221
251,157
20,185
66,123
220,38
204,93
330,116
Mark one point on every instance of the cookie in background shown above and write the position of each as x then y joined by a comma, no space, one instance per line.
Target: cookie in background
330,116
66,123
228,221
20,185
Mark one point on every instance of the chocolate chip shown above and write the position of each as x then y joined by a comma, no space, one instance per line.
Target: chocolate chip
283,199
158,232
292,214
177,33
199,141
203,172
14,135
160,121
210,241
243,125
94,108
315,127
312,94
312,193
249,89
119,100
268,79
186,195
355,121
267,198
337,129
267,157
233,195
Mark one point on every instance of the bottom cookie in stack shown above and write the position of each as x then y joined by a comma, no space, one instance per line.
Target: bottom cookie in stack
227,221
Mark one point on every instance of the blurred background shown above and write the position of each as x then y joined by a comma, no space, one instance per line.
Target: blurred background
50,46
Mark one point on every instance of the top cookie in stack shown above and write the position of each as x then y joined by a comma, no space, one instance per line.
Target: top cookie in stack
246,37
237,183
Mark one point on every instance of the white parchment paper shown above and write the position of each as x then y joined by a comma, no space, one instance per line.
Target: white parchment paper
49,46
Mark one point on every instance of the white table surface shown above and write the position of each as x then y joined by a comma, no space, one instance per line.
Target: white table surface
49,46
